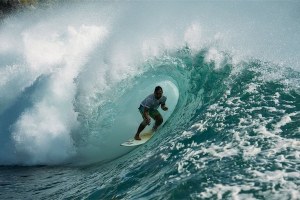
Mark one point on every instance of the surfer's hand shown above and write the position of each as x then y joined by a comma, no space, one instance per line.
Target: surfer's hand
165,108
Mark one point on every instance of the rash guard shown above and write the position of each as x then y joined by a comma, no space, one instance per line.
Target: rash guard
151,102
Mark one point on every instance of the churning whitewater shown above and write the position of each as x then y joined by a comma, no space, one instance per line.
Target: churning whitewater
72,76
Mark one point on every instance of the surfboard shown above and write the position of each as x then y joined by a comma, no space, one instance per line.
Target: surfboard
144,138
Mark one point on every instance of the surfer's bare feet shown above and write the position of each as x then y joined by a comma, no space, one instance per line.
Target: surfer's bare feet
154,129
137,137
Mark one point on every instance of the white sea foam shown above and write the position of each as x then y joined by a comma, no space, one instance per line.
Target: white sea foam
213,55
42,132
219,191
192,36
252,88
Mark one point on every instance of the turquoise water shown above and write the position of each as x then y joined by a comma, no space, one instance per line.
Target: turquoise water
72,76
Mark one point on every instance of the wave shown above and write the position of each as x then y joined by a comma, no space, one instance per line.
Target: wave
73,75
234,131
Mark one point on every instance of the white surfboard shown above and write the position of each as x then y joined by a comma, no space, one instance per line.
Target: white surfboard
144,138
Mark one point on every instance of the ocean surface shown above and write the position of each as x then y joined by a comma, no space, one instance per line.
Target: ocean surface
73,73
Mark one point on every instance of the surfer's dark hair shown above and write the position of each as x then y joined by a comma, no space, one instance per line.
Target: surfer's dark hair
157,88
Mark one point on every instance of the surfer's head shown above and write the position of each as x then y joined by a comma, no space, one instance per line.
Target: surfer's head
158,92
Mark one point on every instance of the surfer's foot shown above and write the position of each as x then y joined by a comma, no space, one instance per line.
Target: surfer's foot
154,129
137,137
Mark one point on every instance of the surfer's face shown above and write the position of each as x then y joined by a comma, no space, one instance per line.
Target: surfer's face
158,94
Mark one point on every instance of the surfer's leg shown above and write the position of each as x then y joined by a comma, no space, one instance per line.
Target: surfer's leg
142,125
158,120
140,129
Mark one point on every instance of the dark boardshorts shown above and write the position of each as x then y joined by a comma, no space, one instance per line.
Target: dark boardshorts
152,112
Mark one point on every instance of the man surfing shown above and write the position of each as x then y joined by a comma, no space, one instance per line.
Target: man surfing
148,108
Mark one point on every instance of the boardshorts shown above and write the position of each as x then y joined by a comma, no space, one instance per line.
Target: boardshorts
152,112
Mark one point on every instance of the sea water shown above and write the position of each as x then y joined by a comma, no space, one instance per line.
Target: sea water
72,75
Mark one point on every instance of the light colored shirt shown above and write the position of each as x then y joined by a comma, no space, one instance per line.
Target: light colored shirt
152,103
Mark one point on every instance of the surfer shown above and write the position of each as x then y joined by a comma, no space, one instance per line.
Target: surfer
148,108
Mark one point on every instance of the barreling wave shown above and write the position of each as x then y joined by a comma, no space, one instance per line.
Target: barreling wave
72,78
234,131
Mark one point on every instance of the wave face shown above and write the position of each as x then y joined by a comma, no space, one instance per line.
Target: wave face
73,75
